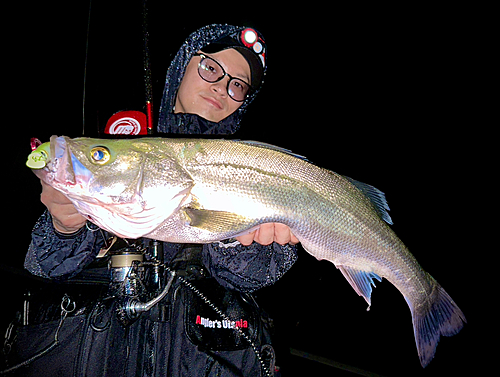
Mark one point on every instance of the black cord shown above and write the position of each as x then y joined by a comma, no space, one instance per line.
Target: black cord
67,306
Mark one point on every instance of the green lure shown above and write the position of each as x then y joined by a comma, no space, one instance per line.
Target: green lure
38,158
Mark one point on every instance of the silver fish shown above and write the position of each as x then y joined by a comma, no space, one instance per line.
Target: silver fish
201,191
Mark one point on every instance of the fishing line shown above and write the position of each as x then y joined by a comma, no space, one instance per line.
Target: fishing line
85,68
148,81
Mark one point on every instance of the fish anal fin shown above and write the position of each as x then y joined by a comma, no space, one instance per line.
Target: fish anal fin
361,281
218,221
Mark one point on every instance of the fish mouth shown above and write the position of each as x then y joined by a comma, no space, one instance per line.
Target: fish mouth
64,169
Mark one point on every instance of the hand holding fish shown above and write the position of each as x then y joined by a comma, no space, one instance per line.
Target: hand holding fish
269,233
65,217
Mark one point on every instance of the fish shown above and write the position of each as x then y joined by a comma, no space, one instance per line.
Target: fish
203,191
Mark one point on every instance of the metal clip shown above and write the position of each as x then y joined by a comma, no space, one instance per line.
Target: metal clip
67,305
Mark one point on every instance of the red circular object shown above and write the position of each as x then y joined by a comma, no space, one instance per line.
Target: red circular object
243,39
129,122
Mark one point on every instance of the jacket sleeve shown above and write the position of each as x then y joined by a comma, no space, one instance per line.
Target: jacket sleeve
248,268
58,256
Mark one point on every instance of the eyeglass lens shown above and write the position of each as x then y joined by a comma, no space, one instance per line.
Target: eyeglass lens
211,71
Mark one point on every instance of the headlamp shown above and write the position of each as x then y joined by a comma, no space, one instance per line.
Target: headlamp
249,36
249,43
251,40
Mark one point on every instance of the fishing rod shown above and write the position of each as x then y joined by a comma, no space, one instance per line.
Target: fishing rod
129,122
148,80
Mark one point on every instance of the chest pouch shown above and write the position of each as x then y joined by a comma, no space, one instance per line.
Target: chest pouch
205,327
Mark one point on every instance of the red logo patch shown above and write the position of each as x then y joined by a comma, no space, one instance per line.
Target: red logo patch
127,123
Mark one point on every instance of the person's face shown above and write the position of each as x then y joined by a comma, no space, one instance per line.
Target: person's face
210,100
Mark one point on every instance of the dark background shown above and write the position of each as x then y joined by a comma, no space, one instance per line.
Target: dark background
383,95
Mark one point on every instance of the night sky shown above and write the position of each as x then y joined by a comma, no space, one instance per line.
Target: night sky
377,94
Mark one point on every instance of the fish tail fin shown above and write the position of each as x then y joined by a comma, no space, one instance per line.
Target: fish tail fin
439,315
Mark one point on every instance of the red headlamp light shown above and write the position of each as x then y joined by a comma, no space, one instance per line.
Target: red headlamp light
251,39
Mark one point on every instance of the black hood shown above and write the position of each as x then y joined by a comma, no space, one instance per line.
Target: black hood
190,123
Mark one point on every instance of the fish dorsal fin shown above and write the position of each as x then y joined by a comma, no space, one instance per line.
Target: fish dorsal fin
271,147
376,196
361,281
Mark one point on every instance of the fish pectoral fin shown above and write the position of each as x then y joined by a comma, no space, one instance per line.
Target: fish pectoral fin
361,281
218,221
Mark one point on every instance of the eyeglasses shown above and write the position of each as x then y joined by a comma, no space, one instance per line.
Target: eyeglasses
211,71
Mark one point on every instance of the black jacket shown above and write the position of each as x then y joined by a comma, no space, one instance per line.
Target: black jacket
153,345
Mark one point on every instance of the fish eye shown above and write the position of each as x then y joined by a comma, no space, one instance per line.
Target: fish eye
100,155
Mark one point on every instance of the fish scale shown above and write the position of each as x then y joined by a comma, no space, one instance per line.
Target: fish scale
201,191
